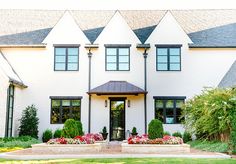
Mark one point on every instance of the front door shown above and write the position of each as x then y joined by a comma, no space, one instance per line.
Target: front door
117,119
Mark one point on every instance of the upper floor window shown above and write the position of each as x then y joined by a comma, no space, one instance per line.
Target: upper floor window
117,57
66,58
168,109
168,57
63,108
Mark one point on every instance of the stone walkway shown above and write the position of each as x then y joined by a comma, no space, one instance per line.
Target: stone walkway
111,150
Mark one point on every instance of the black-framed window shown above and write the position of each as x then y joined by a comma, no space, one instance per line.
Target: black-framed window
10,107
66,58
118,58
168,109
65,108
168,57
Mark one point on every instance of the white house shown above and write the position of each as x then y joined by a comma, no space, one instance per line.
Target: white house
118,69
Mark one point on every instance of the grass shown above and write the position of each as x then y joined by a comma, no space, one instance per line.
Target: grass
127,161
213,146
16,143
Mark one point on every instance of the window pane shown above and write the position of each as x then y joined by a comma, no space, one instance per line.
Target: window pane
175,59
111,51
55,112
169,120
73,51
60,51
175,67
124,59
170,111
123,66
162,51
73,59
72,66
75,102
123,51
111,58
65,103
65,113
111,66
76,112
179,103
162,59
60,66
159,114
162,67
60,59
159,104
174,51
169,104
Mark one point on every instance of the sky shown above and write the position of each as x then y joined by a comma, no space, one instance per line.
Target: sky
117,4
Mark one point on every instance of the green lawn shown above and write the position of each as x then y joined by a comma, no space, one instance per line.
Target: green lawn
128,161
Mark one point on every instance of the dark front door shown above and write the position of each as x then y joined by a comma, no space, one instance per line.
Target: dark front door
117,120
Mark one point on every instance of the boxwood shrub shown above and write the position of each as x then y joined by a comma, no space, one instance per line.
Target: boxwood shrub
155,129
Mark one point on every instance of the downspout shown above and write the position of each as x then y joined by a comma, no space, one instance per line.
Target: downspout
89,88
145,88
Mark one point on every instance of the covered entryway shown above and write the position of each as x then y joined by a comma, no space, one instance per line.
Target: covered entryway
110,107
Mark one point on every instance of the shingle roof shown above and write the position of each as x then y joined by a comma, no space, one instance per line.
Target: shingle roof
206,28
117,88
229,80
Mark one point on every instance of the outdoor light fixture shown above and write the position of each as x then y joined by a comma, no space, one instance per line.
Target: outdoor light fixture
105,103
128,103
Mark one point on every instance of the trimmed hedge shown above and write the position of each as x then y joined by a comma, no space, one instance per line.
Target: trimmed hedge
47,135
155,129
72,129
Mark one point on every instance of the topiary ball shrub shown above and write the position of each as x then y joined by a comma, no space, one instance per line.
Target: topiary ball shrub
155,129
47,135
177,134
57,133
72,128
187,137
166,133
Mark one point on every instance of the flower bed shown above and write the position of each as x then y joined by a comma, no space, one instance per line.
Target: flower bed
167,144
85,139
79,144
145,140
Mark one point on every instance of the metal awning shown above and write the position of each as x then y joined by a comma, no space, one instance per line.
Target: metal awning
117,88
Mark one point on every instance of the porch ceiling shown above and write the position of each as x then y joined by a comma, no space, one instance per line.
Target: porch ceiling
117,88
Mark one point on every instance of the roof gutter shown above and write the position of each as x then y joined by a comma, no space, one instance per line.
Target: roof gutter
23,46
17,83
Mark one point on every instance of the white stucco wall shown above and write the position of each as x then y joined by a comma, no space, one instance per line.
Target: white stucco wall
200,67
4,83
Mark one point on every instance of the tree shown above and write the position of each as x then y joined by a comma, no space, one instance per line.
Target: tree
29,122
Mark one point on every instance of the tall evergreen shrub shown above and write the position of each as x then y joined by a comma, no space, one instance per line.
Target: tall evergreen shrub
29,122
72,128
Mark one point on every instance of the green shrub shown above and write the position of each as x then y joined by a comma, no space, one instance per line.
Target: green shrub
177,134
29,122
166,133
57,133
104,130
47,135
187,137
23,142
155,129
134,130
72,128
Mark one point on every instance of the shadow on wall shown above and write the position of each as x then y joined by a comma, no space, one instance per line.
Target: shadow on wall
218,36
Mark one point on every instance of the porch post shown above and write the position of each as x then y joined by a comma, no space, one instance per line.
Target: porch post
145,88
90,47
89,88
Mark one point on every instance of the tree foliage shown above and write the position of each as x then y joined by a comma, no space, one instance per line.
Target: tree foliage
29,122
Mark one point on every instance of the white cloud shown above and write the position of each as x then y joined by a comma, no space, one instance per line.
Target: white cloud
117,4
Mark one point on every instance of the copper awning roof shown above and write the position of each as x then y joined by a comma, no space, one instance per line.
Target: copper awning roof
117,88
